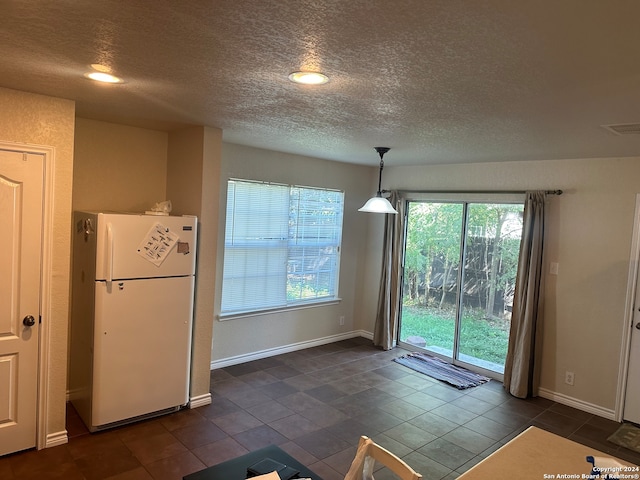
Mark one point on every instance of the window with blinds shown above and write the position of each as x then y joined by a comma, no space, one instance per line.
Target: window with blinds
282,246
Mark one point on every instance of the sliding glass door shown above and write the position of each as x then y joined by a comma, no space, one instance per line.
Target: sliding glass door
460,264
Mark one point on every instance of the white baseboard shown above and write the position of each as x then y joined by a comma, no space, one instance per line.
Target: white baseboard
576,403
200,401
271,352
55,439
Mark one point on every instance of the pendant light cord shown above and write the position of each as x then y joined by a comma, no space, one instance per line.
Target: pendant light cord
381,151
380,177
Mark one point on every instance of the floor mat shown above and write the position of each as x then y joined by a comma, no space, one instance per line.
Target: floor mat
627,436
459,377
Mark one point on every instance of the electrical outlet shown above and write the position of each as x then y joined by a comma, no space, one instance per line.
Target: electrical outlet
341,319
569,378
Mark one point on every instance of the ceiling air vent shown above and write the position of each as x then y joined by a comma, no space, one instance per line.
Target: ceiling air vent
623,128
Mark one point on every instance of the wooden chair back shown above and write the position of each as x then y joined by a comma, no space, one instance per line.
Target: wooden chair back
368,454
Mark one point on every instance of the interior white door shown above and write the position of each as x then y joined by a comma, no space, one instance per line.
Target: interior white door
21,197
632,397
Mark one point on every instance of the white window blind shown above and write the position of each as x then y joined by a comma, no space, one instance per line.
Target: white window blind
282,246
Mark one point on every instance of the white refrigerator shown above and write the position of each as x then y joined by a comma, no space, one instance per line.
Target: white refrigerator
131,315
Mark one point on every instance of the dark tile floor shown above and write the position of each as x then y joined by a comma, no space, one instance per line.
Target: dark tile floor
315,404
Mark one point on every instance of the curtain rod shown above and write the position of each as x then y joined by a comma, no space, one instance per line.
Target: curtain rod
513,192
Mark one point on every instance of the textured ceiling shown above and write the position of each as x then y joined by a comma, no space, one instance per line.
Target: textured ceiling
438,81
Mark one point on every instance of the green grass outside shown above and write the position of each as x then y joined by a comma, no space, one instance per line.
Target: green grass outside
485,339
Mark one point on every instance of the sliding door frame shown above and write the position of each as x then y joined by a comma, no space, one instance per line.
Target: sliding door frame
465,199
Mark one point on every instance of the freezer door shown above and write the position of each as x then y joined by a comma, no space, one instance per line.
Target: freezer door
142,347
125,241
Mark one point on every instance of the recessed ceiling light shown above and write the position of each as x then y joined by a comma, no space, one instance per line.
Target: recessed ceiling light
103,77
308,78
102,73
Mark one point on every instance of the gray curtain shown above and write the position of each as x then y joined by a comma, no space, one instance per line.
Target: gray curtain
385,332
521,370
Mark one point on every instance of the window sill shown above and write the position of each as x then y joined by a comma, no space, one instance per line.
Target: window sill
223,317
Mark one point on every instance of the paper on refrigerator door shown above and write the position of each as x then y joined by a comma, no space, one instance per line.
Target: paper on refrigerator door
157,244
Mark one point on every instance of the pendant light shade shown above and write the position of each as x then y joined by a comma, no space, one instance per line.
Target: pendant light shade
379,204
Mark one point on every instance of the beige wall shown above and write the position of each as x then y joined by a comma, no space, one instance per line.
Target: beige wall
589,235
241,336
40,120
118,168
193,178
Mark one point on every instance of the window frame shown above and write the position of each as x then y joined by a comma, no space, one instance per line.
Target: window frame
298,303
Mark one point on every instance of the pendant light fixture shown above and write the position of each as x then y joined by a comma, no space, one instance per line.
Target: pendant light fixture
379,204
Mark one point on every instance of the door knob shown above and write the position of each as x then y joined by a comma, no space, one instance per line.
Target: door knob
29,321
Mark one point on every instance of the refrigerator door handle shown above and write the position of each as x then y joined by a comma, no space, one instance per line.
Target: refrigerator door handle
109,272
